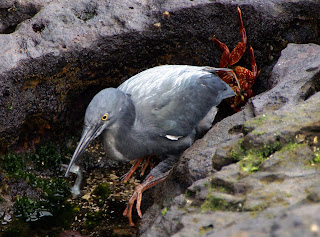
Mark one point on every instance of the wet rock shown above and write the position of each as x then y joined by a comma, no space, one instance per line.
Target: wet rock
284,125
295,75
12,13
222,155
56,55
201,224
71,233
301,221
275,171
191,169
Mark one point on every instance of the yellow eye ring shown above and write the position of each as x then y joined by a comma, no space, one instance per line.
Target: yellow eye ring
105,117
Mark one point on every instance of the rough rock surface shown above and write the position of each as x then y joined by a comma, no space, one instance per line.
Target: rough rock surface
294,85
267,167
55,55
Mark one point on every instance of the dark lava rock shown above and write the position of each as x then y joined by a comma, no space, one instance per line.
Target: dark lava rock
71,233
55,55
274,172
296,73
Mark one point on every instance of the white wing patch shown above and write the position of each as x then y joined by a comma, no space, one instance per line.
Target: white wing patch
173,138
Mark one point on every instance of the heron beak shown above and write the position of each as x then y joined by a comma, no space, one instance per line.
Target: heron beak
88,135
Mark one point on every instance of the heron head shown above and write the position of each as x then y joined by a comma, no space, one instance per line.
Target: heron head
104,110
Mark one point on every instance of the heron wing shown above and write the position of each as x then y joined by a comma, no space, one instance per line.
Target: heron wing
175,98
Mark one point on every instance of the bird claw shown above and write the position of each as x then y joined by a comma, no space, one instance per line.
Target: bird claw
137,195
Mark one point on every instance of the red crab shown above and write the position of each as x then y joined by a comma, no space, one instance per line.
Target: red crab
246,78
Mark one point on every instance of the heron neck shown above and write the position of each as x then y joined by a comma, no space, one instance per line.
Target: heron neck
128,140
123,140
132,134
128,115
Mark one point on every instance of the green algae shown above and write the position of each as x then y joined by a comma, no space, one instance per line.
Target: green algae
292,146
215,203
102,191
252,159
41,200
215,200
164,211
316,158
258,121
223,188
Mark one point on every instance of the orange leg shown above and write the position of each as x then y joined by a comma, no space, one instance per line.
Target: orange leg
247,77
226,77
254,67
145,165
240,48
231,79
137,195
237,53
227,58
133,168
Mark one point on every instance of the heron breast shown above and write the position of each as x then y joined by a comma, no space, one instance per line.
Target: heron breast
112,152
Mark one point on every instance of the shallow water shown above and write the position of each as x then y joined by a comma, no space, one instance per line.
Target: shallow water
98,212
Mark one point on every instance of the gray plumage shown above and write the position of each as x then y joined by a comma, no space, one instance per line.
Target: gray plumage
157,111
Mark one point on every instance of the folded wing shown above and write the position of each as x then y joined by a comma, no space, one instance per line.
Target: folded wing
178,98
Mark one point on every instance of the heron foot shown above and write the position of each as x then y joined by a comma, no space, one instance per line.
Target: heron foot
133,168
137,195
145,165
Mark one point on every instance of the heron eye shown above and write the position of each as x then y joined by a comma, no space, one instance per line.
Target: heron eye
105,117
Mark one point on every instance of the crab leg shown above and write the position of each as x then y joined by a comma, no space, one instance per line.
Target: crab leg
225,57
254,67
239,50
247,77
